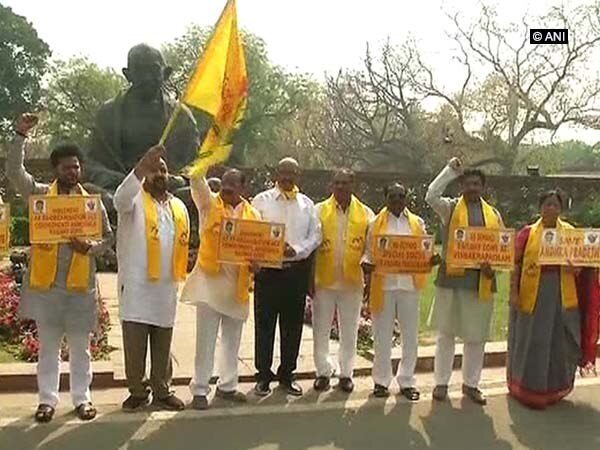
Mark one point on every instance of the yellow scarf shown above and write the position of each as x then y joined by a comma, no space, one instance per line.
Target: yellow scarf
289,195
531,273
209,242
460,219
180,243
377,280
356,231
44,262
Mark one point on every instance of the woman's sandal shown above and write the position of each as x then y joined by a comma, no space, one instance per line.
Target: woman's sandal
588,371
44,413
86,411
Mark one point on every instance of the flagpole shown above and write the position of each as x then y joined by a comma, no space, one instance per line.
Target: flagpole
170,123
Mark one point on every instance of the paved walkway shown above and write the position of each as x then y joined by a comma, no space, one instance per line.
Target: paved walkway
316,421
184,342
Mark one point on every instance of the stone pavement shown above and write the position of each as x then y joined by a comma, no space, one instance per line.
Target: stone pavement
316,421
184,341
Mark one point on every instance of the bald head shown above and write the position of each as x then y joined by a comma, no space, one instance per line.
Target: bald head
288,171
288,163
146,71
143,53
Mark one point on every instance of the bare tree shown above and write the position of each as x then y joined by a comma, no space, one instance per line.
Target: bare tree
529,87
371,118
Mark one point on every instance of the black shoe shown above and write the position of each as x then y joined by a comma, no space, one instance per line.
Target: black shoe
346,385
135,403
262,388
170,403
292,388
411,394
322,384
474,394
381,391
199,402
440,393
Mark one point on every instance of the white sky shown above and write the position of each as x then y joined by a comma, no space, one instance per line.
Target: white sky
314,36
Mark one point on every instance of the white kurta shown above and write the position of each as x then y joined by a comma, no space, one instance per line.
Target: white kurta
142,300
219,291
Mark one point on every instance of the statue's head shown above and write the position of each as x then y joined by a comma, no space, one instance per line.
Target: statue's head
146,71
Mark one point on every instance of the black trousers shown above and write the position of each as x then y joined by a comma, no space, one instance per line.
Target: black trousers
279,294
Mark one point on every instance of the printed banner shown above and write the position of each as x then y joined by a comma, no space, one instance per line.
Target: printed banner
477,245
55,219
244,241
403,254
4,228
580,246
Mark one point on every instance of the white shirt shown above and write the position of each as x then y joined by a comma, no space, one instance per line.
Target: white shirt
396,226
142,300
302,226
340,243
218,291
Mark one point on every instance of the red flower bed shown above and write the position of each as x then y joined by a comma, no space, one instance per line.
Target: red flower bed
20,336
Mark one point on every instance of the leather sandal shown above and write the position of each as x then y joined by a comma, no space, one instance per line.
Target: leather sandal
86,411
44,413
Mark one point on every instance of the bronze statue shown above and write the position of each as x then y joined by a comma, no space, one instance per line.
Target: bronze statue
128,125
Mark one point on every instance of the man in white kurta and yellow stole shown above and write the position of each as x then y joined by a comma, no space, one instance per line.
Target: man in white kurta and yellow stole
59,289
220,291
463,304
394,297
339,279
152,250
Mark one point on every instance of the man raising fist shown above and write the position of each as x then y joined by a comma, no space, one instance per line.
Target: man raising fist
59,290
464,298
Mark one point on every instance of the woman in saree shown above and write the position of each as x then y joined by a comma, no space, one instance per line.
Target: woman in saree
544,335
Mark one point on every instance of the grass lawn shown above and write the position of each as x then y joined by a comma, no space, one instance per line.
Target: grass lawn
499,319
6,357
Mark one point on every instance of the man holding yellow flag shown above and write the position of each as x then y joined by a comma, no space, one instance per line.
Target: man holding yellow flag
464,298
152,250
394,297
339,278
59,290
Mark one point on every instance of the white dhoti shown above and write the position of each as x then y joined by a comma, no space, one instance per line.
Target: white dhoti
347,302
48,368
402,306
208,322
460,313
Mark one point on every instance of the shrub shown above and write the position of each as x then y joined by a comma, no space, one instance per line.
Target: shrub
19,231
20,335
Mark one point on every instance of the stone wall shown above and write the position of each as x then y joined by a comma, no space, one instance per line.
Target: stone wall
515,196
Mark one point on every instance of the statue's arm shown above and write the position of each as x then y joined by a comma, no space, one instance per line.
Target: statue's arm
99,155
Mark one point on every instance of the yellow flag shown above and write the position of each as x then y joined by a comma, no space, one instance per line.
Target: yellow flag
219,86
